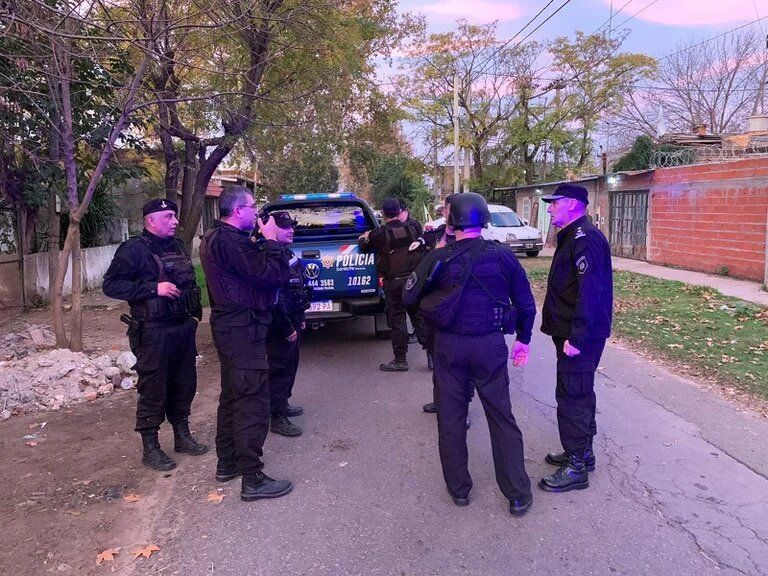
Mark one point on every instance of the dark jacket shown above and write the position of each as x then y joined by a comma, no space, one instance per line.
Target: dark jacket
579,301
496,277
293,300
390,243
135,271
243,276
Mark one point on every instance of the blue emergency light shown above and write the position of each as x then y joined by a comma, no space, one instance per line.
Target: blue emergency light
317,196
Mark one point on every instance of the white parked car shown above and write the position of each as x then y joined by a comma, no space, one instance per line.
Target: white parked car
507,227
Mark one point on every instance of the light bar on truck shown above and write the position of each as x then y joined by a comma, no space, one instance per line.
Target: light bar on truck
317,196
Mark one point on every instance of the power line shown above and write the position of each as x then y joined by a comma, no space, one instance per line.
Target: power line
637,13
611,17
688,48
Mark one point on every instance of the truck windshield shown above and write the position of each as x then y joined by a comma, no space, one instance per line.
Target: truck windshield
506,220
321,219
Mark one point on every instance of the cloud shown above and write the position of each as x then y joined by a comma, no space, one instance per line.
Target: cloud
476,12
690,12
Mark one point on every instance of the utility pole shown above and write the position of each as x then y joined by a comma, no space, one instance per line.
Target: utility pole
455,133
558,87
466,149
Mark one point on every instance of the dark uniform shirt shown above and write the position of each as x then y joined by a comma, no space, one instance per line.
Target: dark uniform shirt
134,273
496,277
416,225
391,242
293,299
242,276
432,237
579,300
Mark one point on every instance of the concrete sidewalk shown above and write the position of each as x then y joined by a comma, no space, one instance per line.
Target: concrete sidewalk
744,289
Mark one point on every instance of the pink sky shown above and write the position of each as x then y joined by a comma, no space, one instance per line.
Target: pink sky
692,12
475,11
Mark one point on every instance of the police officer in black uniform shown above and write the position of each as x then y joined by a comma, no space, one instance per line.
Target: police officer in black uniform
577,314
156,276
405,218
493,297
244,276
395,262
284,336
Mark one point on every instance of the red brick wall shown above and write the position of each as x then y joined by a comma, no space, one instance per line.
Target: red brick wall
711,217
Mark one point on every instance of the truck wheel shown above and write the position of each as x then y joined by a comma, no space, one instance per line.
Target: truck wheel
532,254
383,331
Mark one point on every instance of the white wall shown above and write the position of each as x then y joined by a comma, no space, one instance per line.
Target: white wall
95,262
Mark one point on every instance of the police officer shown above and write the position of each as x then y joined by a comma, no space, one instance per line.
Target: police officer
405,218
486,285
244,278
156,276
284,335
395,262
577,315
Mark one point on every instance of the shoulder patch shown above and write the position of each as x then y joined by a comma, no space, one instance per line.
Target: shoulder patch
411,282
579,233
582,264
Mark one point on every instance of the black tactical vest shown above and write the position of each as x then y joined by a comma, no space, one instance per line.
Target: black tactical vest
398,261
481,308
176,267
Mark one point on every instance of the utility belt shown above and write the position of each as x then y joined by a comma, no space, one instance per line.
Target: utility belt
188,304
137,326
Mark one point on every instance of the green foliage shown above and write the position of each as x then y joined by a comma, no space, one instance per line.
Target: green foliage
638,158
399,176
702,332
301,170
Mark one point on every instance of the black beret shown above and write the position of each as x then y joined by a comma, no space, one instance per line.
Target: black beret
159,205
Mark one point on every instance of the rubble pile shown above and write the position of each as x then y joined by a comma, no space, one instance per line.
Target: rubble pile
52,379
19,344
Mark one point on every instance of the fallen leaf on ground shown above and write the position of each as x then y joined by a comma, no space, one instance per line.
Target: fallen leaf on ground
107,556
82,482
146,551
215,497
131,498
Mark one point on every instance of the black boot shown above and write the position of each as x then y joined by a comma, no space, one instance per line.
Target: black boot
281,425
154,457
226,471
520,506
292,411
570,476
258,485
430,408
559,459
394,366
184,442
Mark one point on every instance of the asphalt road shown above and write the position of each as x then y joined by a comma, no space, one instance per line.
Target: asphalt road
680,487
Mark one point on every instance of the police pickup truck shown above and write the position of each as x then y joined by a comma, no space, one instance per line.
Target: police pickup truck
344,280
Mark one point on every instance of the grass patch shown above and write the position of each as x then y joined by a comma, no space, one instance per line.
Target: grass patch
697,328
200,276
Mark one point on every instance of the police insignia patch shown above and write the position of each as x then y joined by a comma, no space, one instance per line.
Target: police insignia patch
411,282
582,264
579,233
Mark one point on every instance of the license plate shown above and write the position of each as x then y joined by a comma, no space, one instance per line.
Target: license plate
321,306
529,245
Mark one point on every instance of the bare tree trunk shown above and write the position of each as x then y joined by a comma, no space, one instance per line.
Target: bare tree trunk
76,326
54,220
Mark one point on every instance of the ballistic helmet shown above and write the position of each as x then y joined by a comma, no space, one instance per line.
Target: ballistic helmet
468,210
